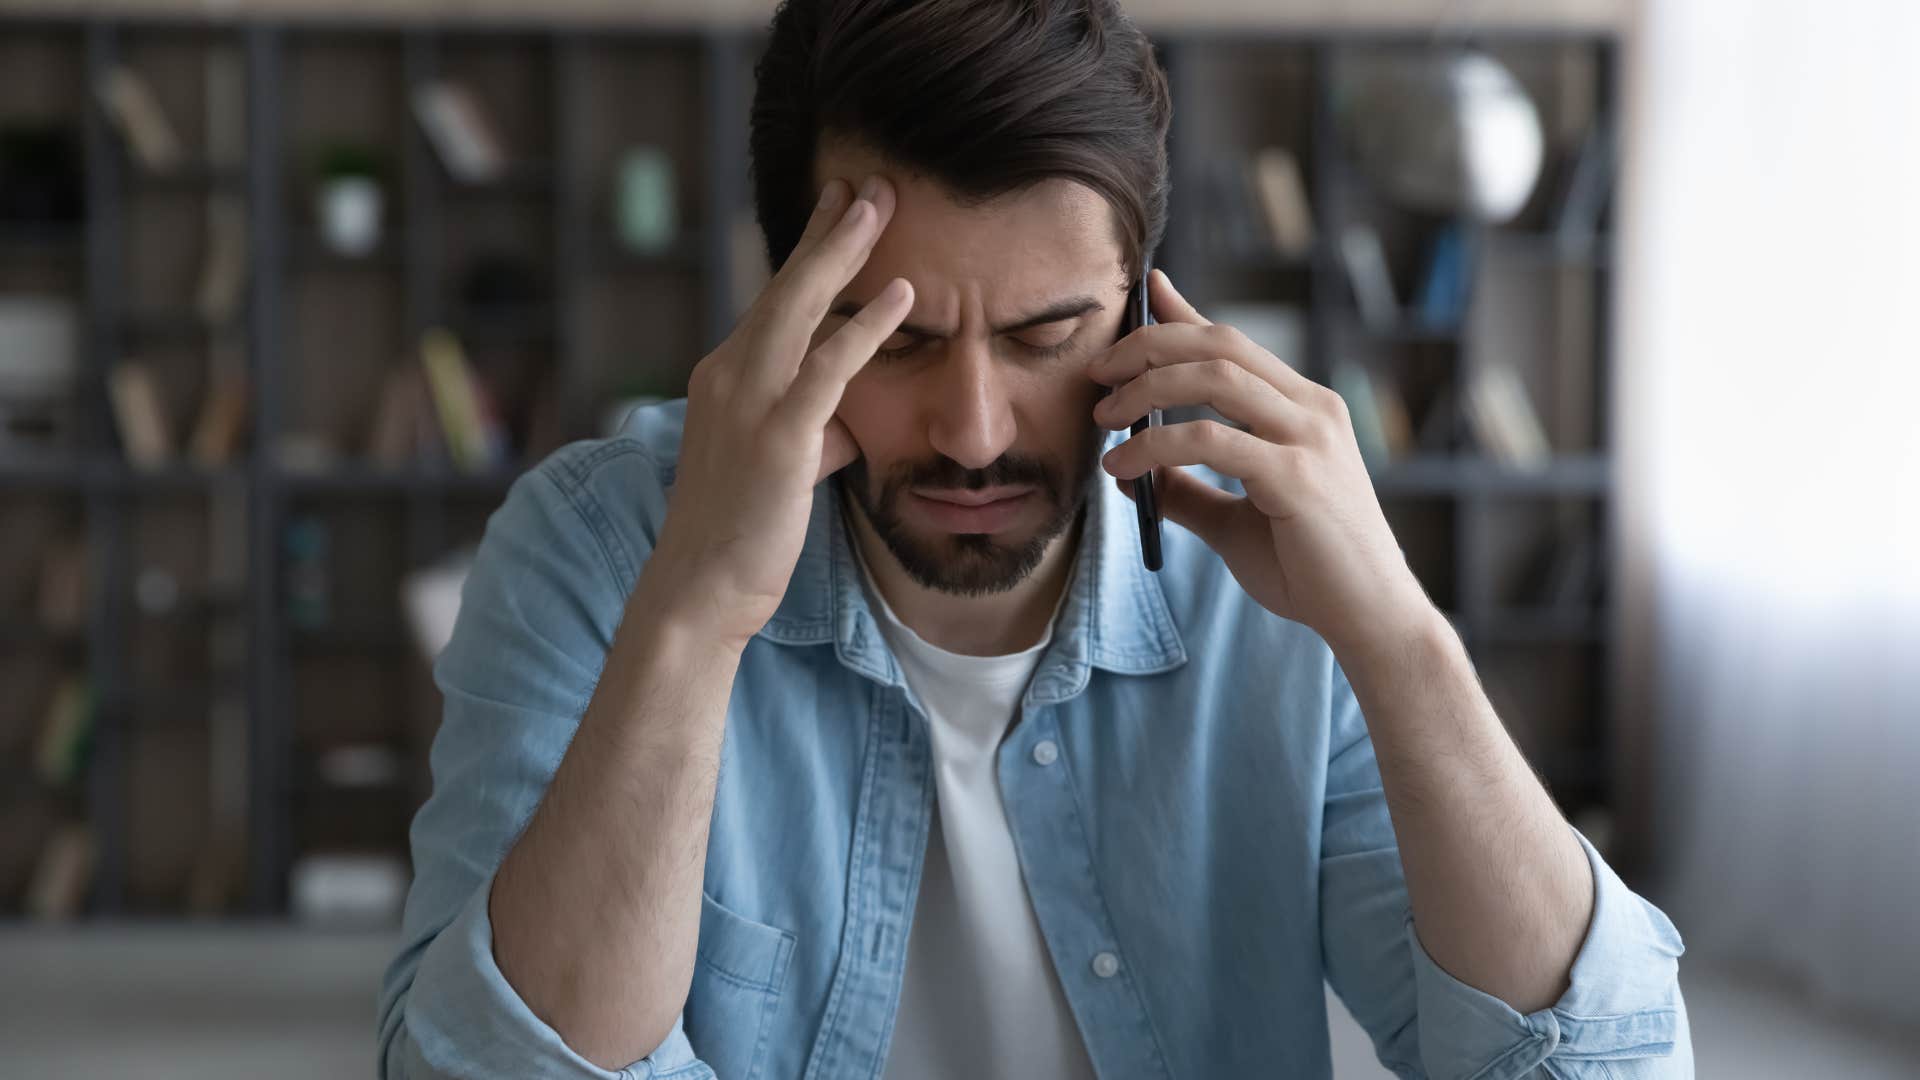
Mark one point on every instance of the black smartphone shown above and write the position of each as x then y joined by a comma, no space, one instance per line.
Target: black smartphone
1139,314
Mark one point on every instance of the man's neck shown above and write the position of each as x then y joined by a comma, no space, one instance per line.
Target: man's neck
990,625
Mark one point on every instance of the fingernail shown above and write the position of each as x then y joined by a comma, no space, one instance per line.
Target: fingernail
830,195
871,188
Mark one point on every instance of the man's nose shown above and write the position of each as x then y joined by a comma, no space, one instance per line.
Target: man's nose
971,416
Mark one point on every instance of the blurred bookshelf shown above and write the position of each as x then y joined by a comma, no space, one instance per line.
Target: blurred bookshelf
1506,519
213,677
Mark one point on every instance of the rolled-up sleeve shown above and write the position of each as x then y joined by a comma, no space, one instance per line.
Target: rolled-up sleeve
538,612
463,1019
1621,1016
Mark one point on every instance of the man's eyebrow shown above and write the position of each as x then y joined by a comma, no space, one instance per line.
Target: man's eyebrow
1059,311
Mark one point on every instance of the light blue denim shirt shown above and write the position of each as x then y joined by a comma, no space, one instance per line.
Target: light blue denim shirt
1189,782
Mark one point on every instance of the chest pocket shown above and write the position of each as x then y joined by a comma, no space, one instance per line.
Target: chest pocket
738,974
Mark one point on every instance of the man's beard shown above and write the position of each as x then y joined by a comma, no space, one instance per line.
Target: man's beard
971,564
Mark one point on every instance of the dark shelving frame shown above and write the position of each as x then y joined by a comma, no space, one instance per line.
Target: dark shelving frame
108,488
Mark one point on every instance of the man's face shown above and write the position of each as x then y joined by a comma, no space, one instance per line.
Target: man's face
981,394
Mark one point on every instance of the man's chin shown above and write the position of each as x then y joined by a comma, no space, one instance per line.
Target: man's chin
966,564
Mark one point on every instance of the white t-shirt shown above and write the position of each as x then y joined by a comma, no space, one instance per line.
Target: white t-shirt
980,996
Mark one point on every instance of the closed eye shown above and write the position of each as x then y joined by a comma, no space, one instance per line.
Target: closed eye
901,346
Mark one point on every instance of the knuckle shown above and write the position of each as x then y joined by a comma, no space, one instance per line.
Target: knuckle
1337,407
700,381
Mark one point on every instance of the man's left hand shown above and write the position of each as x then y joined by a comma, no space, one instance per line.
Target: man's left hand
1308,541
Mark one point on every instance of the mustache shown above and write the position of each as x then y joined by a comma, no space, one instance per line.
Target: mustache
944,472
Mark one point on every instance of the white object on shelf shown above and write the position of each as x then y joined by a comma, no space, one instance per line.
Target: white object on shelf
39,347
347,889
350,209
1449,132
459,131
431,596
359,765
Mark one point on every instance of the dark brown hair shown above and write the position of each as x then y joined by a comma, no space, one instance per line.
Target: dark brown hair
985,96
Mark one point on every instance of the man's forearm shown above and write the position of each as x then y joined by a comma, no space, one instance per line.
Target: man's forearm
596,908
1501,891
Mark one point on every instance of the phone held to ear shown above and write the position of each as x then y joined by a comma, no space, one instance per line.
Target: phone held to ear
1139,313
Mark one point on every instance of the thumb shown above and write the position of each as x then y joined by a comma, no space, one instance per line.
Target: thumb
1192,503
1168,304
838,450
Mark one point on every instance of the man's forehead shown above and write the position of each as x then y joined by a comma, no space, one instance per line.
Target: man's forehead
1056,231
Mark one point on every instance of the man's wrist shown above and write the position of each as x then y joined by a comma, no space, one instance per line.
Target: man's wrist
1409,637
680,618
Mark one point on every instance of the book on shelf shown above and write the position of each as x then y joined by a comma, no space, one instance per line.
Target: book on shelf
66,733
1582,201
1378,412
1446,286
460,132
1396,421
1503,419
1367,272
223,272
475,442
222,424
1275,176
140,414
58,889
131,105
405,430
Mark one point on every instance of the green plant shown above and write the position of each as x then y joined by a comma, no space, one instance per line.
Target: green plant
343,161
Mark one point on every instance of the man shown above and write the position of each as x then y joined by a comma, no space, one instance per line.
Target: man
827,723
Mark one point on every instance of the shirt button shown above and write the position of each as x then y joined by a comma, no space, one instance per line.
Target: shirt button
1046,752
1106,965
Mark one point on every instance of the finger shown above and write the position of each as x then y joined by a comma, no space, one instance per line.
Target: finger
828,212
1222,385
833,203
837,451
1167,303
1182,343
825,372
807,284
1199,507
1261,467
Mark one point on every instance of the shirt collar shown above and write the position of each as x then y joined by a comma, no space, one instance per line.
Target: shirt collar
1114,616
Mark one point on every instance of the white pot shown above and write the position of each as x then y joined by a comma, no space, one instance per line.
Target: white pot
349,210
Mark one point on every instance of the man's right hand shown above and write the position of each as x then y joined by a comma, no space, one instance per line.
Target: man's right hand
760,427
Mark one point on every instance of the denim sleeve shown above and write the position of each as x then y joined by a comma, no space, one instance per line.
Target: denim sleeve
1622,1015
537,616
